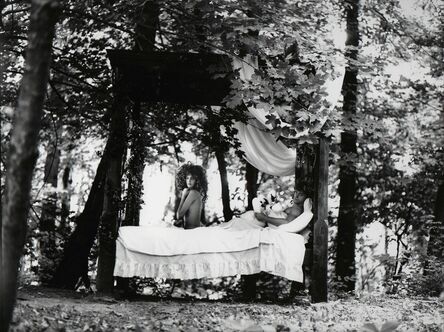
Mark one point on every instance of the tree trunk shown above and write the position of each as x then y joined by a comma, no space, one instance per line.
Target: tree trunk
318,287
248,282
435,246
112,198
144,41
47,241
147,26
67,190
23,150
304,172
346,236
305,181
136,167
222,164
251,176
74,263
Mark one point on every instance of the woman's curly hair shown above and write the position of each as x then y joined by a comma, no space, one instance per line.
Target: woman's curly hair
198,172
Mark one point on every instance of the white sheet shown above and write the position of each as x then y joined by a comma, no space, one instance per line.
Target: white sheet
169,241
278,253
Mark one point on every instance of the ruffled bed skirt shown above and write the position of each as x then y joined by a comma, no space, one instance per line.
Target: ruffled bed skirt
265,257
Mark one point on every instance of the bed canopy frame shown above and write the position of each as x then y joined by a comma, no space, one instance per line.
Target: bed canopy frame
188,78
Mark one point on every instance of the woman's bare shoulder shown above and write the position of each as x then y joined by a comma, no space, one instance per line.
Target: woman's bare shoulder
195,193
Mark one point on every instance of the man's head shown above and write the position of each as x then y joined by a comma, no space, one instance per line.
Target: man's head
299,196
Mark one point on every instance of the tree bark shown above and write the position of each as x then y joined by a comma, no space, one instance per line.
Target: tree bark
435,245
305,181
23,150
346,236
320,229
147,26
67,190
248,282
136,167
74,263
47,241
144,41
222,164
251,176
112,198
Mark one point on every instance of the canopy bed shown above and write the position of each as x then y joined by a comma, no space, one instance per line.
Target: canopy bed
143,251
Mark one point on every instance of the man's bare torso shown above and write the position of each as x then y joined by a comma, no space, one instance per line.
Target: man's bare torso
293,211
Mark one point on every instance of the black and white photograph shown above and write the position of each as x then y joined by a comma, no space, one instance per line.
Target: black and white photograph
222,165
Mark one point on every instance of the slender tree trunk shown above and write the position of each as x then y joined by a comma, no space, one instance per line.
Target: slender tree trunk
222,164
67,190
205,164
251,176
47,242
136,167
112,199
346,236
435,246
248,282
23,150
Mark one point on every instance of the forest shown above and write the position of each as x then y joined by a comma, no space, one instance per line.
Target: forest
103,102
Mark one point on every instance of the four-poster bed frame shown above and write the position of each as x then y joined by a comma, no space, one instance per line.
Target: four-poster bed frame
188,78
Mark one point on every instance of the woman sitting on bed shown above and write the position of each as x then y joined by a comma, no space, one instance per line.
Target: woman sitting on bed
191,180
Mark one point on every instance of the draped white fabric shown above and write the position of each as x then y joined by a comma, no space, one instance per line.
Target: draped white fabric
262,150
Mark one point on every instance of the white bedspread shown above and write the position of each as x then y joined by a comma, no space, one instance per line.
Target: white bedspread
170,241
237,252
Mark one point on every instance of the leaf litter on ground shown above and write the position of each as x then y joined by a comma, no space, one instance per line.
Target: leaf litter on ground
40,309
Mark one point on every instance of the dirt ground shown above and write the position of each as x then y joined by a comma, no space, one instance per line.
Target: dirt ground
43,309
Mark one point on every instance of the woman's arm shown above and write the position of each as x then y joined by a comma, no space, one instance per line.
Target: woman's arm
183,196
186,201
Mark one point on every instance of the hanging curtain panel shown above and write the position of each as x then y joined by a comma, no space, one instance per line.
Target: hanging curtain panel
263,151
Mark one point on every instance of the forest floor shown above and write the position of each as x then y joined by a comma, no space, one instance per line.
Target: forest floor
43,309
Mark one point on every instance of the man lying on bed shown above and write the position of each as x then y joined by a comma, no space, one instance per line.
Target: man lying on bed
293,219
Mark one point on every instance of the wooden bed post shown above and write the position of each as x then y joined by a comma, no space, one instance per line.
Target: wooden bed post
320,229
